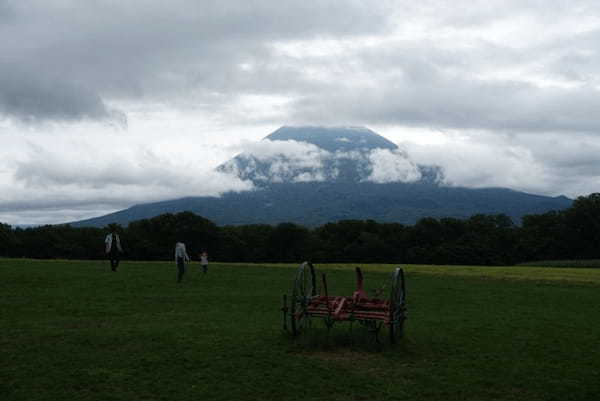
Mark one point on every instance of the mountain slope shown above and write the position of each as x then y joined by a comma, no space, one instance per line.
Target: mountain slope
319,203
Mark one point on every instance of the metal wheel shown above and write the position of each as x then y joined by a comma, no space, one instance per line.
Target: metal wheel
397,306
304,289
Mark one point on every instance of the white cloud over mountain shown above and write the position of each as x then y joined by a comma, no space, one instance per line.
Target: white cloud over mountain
392,166
294,161
41,183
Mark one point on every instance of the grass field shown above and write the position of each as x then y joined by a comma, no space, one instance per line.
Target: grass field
76,331
589,263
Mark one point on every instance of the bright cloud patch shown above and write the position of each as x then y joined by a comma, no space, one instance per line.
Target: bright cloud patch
392,166
279,161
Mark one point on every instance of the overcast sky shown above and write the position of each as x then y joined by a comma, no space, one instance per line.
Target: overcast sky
104,104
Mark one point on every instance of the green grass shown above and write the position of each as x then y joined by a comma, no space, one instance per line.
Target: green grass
518,273
76,331
589,263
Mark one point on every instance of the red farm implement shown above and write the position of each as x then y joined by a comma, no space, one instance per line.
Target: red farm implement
374,313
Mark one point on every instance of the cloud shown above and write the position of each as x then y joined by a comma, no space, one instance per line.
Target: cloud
535,164
435,88
164,177
329,62
301,154
279,161
392,166
70,60
6,11
90,182
31,99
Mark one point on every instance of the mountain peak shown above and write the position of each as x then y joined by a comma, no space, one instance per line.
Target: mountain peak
333,138
340,154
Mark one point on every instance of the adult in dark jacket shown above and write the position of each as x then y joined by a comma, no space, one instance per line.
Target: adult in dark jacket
113,249
181,257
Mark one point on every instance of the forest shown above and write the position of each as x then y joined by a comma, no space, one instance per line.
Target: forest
573,234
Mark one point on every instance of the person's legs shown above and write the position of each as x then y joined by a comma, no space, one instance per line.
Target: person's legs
114,260
180,269
204,268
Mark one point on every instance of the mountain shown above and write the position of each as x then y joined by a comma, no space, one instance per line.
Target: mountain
315,175
319,154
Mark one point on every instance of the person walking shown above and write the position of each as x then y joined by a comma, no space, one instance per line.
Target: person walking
112,247
204,262
181,257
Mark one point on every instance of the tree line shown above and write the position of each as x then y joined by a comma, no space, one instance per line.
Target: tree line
573,233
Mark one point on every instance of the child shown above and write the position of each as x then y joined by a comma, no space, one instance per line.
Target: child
204,261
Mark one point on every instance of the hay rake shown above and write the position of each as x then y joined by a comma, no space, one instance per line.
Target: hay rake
306,304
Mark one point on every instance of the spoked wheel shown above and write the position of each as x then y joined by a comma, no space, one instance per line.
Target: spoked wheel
397,306
304,289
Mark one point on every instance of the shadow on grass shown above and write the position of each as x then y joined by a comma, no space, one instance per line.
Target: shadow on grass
346,338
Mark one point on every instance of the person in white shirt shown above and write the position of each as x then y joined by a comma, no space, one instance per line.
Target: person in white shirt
181,257
112,247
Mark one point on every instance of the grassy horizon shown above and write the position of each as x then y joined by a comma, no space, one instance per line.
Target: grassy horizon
75,330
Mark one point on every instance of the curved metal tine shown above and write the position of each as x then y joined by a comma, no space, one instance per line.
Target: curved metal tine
299,283
284,309
403,285
359,279
328,321
325,289
371,332
313,291
308,280
401,289
393,295
377,328
305,281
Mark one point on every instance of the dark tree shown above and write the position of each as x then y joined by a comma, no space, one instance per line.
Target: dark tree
479,240
582,221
